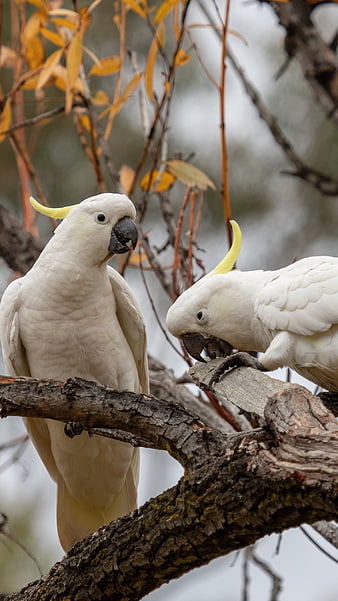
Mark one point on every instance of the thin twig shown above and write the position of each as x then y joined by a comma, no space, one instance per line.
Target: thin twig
321,549
13,539
224,153
246,576
47,115
156,266
276,580
153,306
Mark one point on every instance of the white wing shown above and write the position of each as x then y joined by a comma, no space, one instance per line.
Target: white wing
17,364
132,324
302,297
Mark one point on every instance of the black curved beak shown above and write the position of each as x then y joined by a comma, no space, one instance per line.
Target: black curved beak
123,236
195,344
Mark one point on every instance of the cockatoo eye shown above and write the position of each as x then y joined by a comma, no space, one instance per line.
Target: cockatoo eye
202,316
101,218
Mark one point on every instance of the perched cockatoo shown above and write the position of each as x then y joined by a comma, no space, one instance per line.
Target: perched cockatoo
289,315
72,315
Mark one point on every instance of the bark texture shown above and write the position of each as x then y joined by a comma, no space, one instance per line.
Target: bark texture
236,487
19,248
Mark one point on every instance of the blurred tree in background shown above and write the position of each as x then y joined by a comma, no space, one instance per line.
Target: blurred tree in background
196,118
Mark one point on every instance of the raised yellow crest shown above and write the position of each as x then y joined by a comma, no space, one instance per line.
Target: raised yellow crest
56,213
231,257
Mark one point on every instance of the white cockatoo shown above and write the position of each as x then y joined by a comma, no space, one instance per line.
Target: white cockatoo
289,315
70,316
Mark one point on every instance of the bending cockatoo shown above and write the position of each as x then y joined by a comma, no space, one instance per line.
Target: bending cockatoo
73,315
289,315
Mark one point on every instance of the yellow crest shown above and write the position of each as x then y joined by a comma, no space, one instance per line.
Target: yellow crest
56,213
230,258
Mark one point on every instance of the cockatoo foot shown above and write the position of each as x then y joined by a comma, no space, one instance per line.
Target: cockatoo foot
240,359
72,429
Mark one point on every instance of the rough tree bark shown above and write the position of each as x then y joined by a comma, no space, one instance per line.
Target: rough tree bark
19,248
236,487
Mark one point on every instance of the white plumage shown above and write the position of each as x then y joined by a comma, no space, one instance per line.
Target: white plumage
289,315
72,315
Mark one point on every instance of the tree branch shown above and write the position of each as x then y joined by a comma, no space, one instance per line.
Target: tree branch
236,488
19,248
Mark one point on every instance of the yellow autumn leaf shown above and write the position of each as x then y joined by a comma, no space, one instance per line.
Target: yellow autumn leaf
157,42
5,119
33,25
60,77
100,98
127,176
61,22
48,68
107,65
182,57
136,258
86,123
74,58
190,175
134,5
52,36
34,52
115,108
165,182
130,87
30,83
164,10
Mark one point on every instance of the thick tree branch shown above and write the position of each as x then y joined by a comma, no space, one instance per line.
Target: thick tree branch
236,488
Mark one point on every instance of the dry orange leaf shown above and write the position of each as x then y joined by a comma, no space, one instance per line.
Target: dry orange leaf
33,25
107,65
48,68
190,175
86,123
74,58
100,98
5,119
34,52
133,5
165,182
164,9
30,83
182,57
127,175
61,22
136,258
52,36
